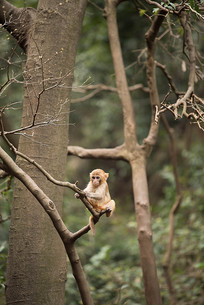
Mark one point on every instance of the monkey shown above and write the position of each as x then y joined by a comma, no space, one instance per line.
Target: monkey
98,195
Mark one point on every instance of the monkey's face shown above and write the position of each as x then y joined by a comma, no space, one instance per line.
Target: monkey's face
96,180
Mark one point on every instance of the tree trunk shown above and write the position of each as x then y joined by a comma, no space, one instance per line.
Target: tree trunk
36,267
144,231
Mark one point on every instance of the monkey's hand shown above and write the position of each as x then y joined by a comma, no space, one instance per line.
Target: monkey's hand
76,195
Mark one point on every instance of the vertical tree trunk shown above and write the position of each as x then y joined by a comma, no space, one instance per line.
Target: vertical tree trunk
136,156
144,231
36,269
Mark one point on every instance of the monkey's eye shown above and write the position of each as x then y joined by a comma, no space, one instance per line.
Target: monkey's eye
96,177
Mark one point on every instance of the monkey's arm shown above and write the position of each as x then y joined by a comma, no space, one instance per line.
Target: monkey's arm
96,196
92,195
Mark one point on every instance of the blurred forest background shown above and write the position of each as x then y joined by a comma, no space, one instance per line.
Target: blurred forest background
112,265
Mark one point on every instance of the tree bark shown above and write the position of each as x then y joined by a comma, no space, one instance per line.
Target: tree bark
36,269
144,231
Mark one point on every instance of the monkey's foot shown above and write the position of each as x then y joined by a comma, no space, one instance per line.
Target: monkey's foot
108,211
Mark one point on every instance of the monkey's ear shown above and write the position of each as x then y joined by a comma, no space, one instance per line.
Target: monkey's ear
106,175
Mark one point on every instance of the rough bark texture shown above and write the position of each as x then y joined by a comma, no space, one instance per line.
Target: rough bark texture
36,271
144,231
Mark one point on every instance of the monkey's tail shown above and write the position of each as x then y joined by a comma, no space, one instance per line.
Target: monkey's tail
91,224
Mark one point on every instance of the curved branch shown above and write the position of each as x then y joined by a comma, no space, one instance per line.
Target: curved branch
117,153
189,44
169,78
42,198
150,36
17,21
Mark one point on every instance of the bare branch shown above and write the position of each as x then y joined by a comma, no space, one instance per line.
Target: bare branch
157,5
188,104
150,36
100,87
117,153
194,11
169,78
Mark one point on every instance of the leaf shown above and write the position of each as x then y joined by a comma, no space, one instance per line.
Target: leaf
142,12
155,10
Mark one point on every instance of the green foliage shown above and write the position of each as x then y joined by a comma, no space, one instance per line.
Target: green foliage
194,5
25,3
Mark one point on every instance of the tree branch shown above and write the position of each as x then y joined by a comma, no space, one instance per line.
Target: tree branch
188,42
188,104
17,21
41,197
169,78
74,187
150,36
121,79
117,153
100,87
3,174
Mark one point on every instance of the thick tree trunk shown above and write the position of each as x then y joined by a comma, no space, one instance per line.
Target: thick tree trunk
36,269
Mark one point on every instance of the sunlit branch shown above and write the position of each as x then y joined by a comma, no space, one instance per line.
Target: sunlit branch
117,153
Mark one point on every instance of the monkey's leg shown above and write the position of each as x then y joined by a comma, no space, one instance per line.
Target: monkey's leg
110,207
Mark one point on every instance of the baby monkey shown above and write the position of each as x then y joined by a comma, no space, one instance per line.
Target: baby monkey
97,192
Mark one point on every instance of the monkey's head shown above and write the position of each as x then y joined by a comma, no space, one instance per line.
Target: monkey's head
98,176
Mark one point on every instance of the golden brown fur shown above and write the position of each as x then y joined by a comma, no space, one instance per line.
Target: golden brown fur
97,192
